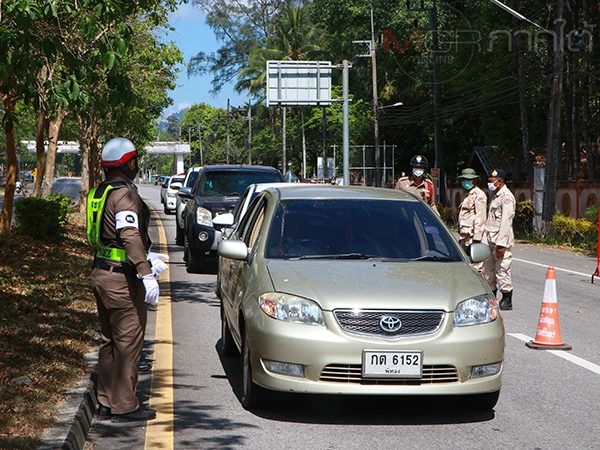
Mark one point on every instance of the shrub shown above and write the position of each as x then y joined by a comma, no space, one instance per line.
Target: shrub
523,221
42,218
447,215
575,231
591,213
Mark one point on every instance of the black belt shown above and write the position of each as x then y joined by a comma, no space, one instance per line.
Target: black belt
98,264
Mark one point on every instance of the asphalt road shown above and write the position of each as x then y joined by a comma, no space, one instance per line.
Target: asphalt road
547,401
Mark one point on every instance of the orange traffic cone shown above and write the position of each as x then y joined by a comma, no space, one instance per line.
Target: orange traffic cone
548,333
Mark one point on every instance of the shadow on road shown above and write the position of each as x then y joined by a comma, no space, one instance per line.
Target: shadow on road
356,409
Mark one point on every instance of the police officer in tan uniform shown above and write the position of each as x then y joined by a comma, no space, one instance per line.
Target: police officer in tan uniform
500,237
418,184
122,280
472,212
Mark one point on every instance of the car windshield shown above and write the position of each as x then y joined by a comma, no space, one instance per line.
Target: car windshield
359,229
191,179
234,182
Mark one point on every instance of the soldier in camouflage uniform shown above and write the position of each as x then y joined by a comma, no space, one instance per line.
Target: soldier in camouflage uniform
418,184
500,237
472,212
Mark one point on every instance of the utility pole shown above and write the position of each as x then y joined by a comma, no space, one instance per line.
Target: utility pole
284,140
324,130
437,104
228,132
346,114
200,143
249,133
553,138
373,52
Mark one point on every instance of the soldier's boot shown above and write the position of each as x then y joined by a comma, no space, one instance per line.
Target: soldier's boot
495,292
506,302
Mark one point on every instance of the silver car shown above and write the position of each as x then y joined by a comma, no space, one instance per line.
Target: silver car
340,290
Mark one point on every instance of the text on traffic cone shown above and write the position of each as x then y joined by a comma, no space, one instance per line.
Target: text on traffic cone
548,332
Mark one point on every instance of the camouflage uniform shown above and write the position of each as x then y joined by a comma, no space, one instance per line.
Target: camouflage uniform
499,232
425,190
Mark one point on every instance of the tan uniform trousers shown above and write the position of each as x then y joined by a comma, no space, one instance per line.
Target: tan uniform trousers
497,271
122,314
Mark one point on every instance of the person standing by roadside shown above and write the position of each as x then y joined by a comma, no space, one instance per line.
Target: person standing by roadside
500,237
418,184
122,280
472,212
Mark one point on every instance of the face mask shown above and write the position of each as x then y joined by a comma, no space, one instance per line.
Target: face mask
131,173
492,187
467,185
418,172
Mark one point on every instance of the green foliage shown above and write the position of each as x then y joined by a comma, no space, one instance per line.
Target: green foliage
591,213
447,215
42,218
575,231
524,213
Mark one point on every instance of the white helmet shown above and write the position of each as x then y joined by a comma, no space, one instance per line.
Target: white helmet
117,152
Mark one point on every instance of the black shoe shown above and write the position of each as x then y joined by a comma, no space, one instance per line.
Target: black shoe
506,302
103,412
142,413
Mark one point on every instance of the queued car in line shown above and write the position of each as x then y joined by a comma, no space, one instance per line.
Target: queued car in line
183,196
347,290
169,192
216,191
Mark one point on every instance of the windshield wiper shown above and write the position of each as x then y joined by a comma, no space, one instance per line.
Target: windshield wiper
336,256
433,258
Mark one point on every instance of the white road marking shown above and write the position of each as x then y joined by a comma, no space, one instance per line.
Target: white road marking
588,275
563,354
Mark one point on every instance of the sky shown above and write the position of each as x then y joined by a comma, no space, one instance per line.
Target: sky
192,35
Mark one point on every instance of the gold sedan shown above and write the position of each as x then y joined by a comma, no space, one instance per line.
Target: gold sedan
344,290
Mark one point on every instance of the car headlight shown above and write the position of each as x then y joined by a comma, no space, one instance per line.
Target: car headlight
204,217
291,308
475,311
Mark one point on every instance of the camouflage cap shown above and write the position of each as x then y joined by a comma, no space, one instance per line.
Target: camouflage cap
468,174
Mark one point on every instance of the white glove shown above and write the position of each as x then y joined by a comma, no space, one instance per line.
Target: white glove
152,291
158,266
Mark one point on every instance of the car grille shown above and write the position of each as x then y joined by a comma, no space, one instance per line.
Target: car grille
352,373
368,322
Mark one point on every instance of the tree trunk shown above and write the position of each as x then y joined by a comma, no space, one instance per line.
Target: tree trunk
554,113
84,148
303,144
522,104
40,150
53,133
9,101
590,151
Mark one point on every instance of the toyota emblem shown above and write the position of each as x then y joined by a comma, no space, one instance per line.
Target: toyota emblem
390,324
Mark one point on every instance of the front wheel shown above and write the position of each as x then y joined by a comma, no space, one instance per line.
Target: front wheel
193,262
179,233
253,396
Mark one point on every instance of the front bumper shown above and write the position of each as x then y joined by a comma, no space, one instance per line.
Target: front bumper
210,238
316,348
171,203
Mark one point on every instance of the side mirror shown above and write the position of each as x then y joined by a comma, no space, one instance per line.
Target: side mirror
185,192
479,252
223,220
233,250
175,186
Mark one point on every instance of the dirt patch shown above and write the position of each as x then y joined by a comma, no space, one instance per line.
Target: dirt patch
47,325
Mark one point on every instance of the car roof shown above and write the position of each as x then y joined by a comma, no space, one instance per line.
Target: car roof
259,187
241,167
325,191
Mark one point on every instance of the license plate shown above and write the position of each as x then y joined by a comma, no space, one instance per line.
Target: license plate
392,364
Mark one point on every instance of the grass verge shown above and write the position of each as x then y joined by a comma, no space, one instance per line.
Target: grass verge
47,325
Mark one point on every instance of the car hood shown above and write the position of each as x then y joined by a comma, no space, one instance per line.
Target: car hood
377,285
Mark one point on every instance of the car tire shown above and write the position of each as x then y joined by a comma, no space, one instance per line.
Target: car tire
228,347
483,402
166,211
179,234
253,396
193,263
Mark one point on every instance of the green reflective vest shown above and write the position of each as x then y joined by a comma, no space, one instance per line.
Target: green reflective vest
95,208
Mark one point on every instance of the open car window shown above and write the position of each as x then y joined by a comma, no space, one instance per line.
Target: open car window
359,229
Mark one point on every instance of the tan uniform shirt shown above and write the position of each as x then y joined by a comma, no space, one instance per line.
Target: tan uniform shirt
472,216
125,224
499,225
424,190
